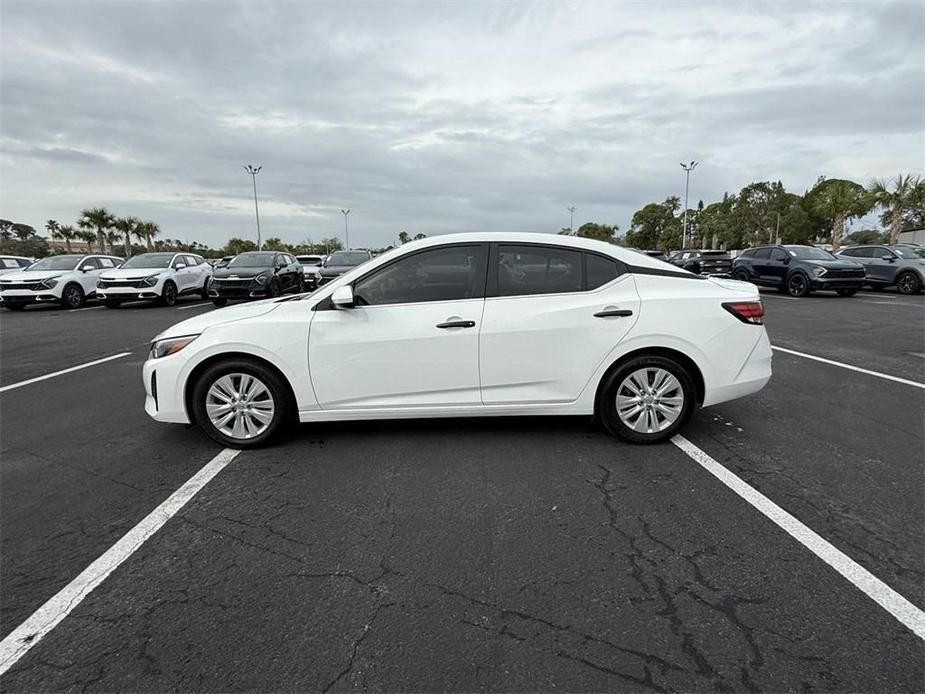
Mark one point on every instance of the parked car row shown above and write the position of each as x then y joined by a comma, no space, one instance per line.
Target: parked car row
799,270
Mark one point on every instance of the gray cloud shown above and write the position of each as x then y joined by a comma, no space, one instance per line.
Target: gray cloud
435,117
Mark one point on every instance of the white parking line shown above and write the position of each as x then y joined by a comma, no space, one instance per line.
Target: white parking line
47,617
897,379
63,371
894,603
205,303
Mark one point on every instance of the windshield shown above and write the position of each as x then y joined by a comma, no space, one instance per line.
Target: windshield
345,259
809,253
149,260
909,252
309,259
252,260
57,262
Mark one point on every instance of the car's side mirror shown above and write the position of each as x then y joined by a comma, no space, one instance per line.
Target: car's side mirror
87,268
179,266
343,297
892,259
785,260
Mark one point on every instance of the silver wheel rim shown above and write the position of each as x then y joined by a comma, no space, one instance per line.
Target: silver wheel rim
240,406
650,400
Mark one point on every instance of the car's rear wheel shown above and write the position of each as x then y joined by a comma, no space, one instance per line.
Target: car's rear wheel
205,289
73,296
798,285
741,275
647,400
908,283
846,292
240,403
112,303
169,294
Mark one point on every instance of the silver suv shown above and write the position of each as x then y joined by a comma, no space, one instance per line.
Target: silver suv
902,266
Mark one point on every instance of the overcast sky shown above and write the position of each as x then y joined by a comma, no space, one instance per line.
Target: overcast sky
440,117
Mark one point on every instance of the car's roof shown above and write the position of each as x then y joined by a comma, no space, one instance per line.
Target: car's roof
632,257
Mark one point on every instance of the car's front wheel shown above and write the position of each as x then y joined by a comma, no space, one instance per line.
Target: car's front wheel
73,296
908,283
741,275
169,294
647,400
240,403
798,285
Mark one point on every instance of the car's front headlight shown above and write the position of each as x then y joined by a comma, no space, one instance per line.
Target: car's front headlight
49,283
170,345
819,271
150,281
261,279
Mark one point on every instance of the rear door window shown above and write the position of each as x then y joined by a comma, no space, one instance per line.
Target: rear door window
762,253
599,270
883,253
863,252
526,270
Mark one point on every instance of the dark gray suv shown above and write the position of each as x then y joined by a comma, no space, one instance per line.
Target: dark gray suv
885,266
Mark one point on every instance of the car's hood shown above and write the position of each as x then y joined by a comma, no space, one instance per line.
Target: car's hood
133,273
33,275
835,264
336,269
239,272
197,324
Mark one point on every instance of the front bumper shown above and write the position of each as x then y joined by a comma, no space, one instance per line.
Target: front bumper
128,294
837,282
232,293
23,297
164,402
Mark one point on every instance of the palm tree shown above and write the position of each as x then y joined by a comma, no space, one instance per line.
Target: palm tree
112,238
100,220
840,201
51,226
68,233
127,226
146,231
895,203
87,236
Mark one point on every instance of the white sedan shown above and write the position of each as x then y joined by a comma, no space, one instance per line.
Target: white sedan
470,325
160,277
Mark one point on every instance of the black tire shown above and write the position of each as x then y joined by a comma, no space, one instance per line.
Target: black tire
846,292
798,285
205,289
908,283
274,290
73,296
169,294
14,307
111,303
741,275
277,388
219,301
607,402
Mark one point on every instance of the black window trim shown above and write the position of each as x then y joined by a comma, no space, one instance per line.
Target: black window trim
327,305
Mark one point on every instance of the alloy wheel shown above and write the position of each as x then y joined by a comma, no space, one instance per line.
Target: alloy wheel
240,405
797,285
72,297
906,284
649,400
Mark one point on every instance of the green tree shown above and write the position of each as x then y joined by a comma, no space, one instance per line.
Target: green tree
126,226
332,244
403,237
840,201
100,220
656,226
593,230
67,233
418,237
907,194
6,229
716,224
274,243
23,232
146,231
87,236
236,245
865,236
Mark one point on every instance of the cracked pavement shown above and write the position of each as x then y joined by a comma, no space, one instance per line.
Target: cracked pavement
475,555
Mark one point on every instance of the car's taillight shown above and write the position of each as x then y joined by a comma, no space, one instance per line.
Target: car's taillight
746,311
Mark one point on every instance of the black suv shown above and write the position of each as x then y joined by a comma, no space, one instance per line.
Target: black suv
256,275
703,262
340,262
798,270
884,266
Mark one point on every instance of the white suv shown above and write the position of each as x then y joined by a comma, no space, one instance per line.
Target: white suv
158,277
68,280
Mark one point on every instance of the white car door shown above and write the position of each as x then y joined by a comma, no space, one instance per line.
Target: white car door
412,338
181,275
552,314
88,279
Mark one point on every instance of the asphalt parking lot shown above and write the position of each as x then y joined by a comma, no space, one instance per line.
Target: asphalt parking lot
509,554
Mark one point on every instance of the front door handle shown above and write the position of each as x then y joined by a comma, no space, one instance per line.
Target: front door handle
457,324
614,313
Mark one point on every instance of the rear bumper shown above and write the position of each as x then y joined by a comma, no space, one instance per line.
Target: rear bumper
752,377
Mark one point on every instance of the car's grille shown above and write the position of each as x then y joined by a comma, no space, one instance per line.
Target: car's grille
19,285
859,272
108,284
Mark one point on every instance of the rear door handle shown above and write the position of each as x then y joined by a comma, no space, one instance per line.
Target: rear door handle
614,313
457,324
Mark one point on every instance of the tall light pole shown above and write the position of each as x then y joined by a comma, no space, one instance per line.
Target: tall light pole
687,169
253,174
346,232
571,217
